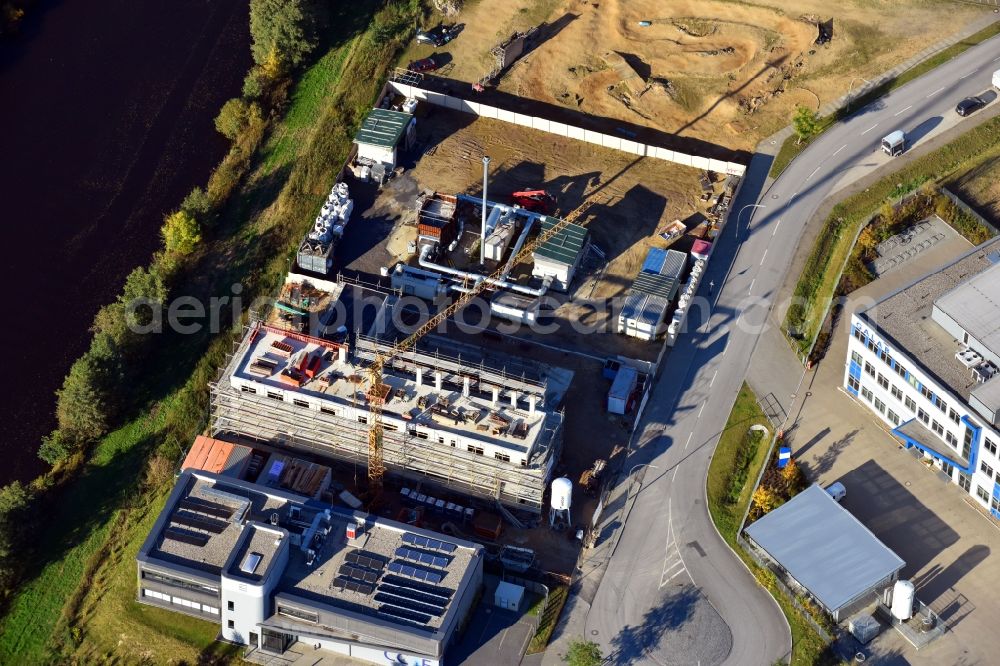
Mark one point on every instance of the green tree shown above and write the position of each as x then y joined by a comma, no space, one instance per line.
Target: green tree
181,233
15,500
583,653
198,205
55,448
805,122
233,118
285,28
81,404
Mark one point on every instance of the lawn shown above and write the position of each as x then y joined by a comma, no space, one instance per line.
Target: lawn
791,148
808,648
79,605
821,274
550,616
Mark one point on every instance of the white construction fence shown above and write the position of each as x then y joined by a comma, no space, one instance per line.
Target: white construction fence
571,131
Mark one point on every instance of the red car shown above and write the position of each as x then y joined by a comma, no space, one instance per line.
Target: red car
423,65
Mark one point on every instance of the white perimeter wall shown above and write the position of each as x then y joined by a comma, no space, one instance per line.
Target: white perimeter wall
570,131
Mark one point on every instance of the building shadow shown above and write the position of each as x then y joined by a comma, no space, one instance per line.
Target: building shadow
896,516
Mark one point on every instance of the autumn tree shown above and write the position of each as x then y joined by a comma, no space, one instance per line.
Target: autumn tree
766,499
181,233
805,122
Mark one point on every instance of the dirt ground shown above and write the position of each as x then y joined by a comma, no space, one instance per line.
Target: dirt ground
633,200
980,188
726,71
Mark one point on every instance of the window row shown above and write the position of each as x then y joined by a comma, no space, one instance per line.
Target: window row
180,601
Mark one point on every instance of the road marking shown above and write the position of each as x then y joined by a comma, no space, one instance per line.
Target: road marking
810,176
751,286
840,149
934,93
997,58
764,256
672,558
701,409
968,75
714,375
690,435
869,129
902,111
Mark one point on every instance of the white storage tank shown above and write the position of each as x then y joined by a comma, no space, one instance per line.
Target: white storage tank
903,595
562,494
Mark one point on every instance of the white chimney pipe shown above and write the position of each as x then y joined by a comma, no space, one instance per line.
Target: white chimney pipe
496,396
342,354
466,389
531,404
438,377
420,376
482,231
513,399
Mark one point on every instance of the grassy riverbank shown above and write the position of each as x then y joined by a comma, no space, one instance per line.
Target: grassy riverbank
78,602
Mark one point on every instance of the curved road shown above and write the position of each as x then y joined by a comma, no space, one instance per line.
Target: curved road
673,592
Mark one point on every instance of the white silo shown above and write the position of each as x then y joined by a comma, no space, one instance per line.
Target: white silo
562,499
903,593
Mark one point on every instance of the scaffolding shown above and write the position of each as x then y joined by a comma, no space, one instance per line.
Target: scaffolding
406,456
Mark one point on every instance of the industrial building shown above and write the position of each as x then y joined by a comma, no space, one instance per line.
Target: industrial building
560,256
651,294
277,571
818,546
454,417
924,360
382,133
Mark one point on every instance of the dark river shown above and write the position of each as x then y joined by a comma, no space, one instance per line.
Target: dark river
106,122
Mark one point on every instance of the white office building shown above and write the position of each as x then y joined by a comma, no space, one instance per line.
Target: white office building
924,360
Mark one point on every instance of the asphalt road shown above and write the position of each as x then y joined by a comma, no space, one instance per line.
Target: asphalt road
673,592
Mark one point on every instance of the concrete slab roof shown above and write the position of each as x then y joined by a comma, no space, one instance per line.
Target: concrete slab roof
825,548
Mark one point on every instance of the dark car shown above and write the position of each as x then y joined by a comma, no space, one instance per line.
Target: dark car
423,65
970,105
437,36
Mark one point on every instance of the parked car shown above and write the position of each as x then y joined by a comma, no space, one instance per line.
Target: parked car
970,105
837,491
437,36
423,65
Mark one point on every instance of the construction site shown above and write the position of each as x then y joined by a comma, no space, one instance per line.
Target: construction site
474,320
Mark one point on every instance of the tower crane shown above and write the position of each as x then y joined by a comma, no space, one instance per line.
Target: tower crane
377,389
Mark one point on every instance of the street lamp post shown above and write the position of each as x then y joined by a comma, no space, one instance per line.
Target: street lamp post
740,215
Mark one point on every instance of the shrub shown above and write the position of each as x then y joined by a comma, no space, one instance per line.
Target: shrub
181,233
233,118
805,122
583,653
55,448
15,500
198,205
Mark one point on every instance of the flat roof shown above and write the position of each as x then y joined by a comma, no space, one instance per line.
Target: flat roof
905,318
825,548
565,246
404,568
382,127
975,306
270,353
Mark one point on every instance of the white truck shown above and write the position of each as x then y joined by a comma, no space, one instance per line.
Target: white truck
996,79
894,144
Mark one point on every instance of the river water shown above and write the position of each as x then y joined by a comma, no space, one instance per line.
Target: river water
106,122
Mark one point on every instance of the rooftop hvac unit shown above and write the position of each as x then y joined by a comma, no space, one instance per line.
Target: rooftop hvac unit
970,358
352,531
984,371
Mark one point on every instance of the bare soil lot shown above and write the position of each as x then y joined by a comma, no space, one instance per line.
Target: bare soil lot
634,199
726,71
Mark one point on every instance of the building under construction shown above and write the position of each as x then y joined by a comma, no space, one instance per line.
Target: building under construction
454,417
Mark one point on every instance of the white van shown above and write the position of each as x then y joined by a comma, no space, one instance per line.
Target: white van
837,491
894,143
996,79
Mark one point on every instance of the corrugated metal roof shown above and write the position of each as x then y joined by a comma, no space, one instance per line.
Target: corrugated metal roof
822,546
663,262
625,381
565,246
975,306
655,285
382,127
644,309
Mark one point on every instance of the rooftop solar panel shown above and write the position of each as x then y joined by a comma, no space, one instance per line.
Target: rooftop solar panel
404,614
400,581
422,597
409,604
206,507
